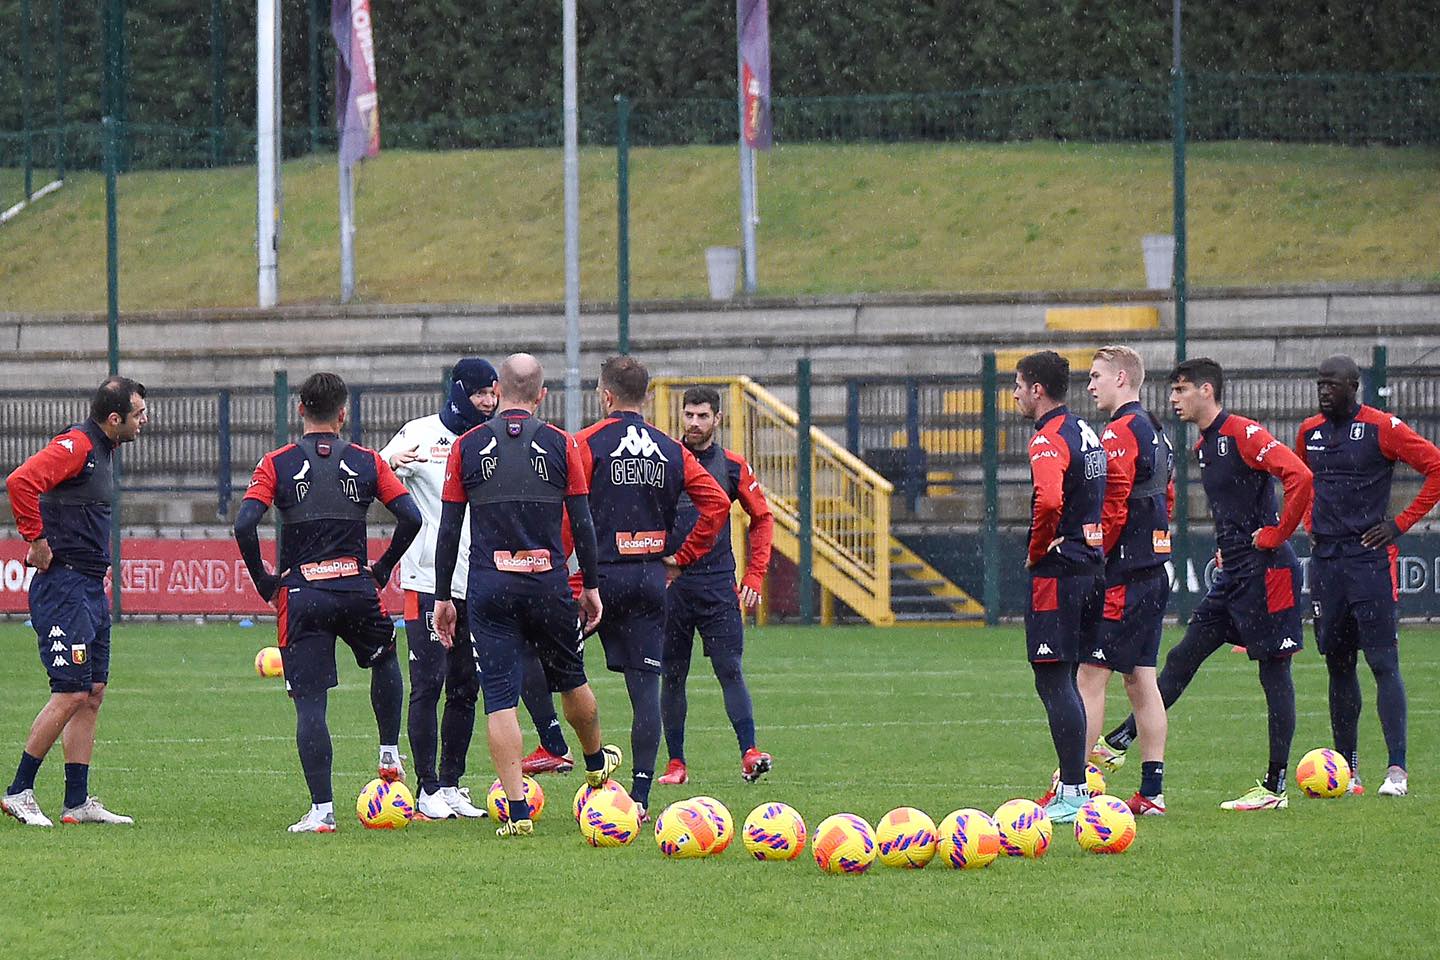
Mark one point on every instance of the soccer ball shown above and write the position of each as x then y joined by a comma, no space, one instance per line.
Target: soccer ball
583,795
905,837
610,819
774,831
844,843
969,840
268,662
500,810
685,830
1094,780
724,823
1105,825
385,805
1323,773
1024,827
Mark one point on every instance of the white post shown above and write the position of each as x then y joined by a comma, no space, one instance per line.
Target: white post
347,232
267,124
572,224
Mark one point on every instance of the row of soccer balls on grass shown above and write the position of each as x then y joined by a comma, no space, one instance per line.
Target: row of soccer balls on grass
843,843
1321,774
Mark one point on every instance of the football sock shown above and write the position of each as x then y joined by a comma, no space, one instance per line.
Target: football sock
1279,688
1390,700
457,726
1055,683
1073,791
1274,778
77,784
644,688
518,809
737,697
387,697
595,761
1344,703
25,773
540,704
326,809
674,704
1152,776
1122,736
312,738
420,722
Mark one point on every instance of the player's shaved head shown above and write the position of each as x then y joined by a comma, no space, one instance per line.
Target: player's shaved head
1337,384
522,379
1340,367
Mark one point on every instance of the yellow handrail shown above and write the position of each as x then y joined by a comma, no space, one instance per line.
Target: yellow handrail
850,528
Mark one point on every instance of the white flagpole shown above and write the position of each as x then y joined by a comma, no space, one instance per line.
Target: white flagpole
572,223
267,101
347,231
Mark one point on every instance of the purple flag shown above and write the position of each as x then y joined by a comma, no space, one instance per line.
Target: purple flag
754,20
357,107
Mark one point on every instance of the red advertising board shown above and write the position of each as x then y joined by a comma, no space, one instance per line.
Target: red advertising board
187,577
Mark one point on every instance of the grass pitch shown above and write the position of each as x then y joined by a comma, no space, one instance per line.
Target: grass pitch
200,751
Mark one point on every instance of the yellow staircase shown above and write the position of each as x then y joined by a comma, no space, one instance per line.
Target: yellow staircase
856,559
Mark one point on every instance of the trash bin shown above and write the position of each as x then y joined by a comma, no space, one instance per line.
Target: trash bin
1159,249
722,264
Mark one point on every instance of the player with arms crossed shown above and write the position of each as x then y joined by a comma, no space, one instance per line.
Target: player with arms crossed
322,486
1065,560
1139,501
637,475
1254,600
1351,449
704,596
61,499
522,480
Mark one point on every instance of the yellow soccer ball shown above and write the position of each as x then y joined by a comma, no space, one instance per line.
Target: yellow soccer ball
385,805
1094,780
685,830
844,843
500,810
724,823
905,837
268,662
1025,830
968,840
610,819
583,795
1322,774
1105,825
774,831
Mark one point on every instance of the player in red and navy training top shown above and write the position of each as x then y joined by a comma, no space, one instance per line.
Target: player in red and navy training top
61,499
524,482
1352,448
326,587
1139,499
705,597
637,476
1065,560
1254,600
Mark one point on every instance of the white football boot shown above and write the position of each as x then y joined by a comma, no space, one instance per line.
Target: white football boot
391,766
92,811
1397,783
432,806
23,807
458,798
314,822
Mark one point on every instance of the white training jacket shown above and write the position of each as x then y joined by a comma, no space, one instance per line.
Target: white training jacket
425,479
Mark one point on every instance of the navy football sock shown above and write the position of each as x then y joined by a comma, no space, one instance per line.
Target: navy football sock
595,761
540,704
1390,700
387,696
1122,736
312,738
738,706
517,809
1344,703
1055,683
1152,777
25,773
674,704
77,784
1279,688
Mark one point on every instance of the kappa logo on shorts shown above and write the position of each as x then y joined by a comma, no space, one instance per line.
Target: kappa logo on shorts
1044,651
1288,644
56,632
59,662
57,647
1098,655
78,654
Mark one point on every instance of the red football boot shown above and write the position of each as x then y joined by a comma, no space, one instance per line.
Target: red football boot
543,761
675,773
1143,806
754,765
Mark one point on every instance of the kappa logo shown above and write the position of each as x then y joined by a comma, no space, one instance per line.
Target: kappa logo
1251,430
1288,644
1109,435
1316,436
637,442
57,647
1040,439
1394,421
67,443
55,631
1098,655
1044,651
58,662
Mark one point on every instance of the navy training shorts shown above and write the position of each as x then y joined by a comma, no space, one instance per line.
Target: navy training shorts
308,622
1063,617
632,628
708,604
1355,600
508,610
1132,623
71,617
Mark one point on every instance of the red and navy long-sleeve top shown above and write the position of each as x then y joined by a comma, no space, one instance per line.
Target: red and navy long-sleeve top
637,475
1139,492
322,487
63,493
1238,458
1067,468
1353,460
742,486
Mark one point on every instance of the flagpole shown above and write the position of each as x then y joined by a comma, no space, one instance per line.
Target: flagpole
747,164
267,122
572,221
347,230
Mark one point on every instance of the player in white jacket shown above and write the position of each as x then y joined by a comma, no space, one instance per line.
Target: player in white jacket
418,454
